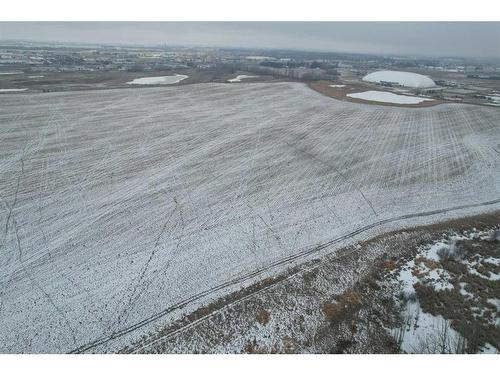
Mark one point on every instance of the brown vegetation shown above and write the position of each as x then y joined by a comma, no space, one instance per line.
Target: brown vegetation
263,317
362,307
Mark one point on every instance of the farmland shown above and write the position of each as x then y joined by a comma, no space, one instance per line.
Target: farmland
123,209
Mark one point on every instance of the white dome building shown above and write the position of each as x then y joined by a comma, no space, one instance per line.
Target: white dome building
407,79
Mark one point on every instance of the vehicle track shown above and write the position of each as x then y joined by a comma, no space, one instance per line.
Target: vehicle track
283,261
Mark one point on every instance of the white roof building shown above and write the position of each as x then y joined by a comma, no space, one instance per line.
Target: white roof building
400,78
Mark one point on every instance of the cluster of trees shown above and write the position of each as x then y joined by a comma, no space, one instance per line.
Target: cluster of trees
297,64
300,73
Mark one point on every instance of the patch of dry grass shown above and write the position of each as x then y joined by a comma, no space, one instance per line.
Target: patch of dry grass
263,317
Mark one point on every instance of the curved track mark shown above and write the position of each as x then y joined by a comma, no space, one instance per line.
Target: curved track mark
306,252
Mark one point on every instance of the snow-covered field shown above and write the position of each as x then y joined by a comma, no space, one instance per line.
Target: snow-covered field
124,209
163,80
240,78
423,332
387,97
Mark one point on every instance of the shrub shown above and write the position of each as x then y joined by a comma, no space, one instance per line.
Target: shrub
263,317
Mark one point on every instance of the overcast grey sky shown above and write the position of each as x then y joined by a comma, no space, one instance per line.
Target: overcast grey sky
415,38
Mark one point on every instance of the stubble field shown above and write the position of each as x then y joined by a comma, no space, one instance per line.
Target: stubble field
124,209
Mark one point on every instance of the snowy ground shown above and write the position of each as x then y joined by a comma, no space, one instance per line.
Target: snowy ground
240,78
336,86
164,80
123,209
423,332
387,97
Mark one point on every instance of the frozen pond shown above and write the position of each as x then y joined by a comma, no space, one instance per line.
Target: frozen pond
387,97
163,80
240,77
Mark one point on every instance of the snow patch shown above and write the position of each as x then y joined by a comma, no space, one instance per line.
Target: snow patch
488,349
240,78
471,268
421,330
426,333
387,97
493,261
163,80
10,73
495,302
464,292
12,90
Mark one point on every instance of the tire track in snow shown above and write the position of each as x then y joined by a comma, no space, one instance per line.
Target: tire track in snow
281,262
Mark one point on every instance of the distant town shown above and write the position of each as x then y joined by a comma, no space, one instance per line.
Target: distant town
37,67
